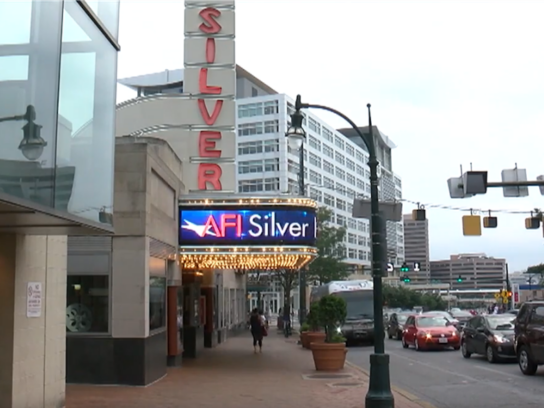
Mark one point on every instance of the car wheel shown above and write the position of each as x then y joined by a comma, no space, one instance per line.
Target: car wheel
490,354
416,343
389,335
526,363
399,335
464,350
404,344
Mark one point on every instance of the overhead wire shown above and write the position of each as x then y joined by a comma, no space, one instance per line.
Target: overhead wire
472,210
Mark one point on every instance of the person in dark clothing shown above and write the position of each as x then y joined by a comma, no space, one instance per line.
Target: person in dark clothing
257,330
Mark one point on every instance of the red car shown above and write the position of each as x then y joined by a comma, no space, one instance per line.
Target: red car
428,331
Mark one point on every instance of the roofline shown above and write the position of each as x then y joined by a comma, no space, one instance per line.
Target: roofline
241,72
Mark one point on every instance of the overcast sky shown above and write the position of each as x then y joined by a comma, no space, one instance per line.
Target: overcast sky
451,82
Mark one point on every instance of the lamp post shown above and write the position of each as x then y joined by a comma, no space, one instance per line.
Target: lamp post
32,144
296,137
379,393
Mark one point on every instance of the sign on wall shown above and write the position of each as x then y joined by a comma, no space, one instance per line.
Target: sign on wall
33,299
290,226
210,77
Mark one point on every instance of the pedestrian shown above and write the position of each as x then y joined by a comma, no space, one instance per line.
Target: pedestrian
256,322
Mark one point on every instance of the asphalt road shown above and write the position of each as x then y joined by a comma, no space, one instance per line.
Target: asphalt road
447,380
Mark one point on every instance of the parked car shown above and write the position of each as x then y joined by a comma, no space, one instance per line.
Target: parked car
529,336
491,336
395,326
427,331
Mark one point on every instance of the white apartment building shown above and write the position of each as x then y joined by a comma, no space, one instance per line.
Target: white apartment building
335,167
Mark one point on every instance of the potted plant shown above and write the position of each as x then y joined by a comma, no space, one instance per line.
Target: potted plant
314,335
331,355
304,329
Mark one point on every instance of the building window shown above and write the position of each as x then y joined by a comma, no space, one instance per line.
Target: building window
340,204
316,144
352,223
250,129
314,126
315,194
272,164
250,186
157,302
328,167
271,107
328,183
350,164
350,193
360,184
250,148
315,160
271,126
328,151
350,150
327,134
328,200
315,177
360,171
339,157
87,304
351,179
341,174
352,238
272,184
250,110
359,157
339,142
361,226
251,166
341,220
292,167
272,145
254,92
352,253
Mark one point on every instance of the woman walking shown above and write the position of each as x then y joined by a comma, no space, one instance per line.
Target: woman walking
257,330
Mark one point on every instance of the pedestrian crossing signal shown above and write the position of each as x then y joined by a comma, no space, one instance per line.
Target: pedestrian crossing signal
417,267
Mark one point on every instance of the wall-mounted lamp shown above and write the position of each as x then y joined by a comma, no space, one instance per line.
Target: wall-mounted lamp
32,144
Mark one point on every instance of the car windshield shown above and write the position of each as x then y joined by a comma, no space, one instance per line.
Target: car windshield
402,318
501,323
432,321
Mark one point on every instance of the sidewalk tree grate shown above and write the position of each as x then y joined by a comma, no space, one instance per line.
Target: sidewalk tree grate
346,384
330,376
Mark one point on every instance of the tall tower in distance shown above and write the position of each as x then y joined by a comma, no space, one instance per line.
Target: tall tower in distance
416,248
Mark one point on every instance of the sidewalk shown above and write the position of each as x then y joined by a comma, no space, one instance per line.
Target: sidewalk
231,376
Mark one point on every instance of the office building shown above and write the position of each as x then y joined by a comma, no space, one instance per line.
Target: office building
474,271
59,65
416,248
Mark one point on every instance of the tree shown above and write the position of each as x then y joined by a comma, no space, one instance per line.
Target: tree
328,265
406,298
288,280
535,270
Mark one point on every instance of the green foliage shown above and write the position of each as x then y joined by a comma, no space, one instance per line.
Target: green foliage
313,317
337,338
535,269
305,327
406,298
328,265
332,314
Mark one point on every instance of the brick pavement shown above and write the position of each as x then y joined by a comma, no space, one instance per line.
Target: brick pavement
231,376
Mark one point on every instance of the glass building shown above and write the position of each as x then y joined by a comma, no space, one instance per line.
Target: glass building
58,69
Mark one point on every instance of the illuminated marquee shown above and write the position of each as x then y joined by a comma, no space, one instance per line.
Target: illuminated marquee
242,227
210,76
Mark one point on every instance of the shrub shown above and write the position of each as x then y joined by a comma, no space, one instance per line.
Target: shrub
332,314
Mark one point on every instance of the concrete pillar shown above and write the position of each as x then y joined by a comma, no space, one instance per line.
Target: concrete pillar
32,349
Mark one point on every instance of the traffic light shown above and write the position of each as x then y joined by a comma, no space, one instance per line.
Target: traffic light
510,294
417,266
406,279
459,279
404,268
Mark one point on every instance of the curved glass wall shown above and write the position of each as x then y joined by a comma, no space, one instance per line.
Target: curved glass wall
57,105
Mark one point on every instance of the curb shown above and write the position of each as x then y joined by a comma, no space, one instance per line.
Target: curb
409,396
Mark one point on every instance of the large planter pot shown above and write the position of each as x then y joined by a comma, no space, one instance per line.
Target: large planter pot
315,337
304,339
329,356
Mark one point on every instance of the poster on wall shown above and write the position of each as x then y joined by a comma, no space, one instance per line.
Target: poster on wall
34,299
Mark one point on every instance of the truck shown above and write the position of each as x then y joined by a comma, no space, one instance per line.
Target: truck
359,297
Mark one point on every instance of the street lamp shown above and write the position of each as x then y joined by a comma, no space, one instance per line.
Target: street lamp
32,144
379,393
296,136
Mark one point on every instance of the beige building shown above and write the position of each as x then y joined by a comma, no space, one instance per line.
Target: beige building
416,248
477,271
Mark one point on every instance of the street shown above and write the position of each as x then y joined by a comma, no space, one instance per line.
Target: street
447,380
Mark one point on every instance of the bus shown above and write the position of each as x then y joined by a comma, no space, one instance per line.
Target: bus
359,297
